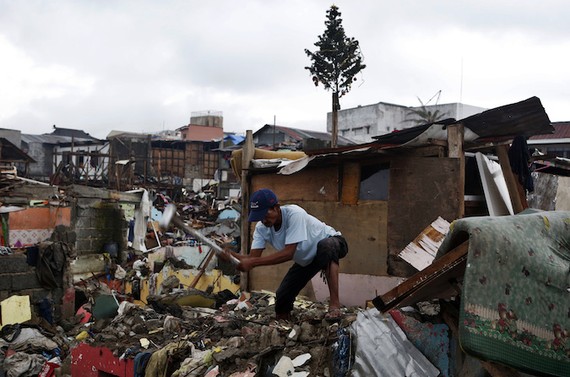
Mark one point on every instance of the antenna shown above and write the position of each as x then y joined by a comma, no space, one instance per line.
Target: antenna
274,124
438,93
460,103
461,83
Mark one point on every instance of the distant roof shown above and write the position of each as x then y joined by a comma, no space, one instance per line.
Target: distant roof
134,135
61,136
58,131
10,152
299,134
376,104
561,131
236,139
203,133
55,139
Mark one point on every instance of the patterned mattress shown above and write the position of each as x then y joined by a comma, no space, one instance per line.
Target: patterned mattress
515,302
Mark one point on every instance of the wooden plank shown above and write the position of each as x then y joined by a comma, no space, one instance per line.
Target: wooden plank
350,183
318,184
497,370
427,151
435,281
510,179
421,189
367,249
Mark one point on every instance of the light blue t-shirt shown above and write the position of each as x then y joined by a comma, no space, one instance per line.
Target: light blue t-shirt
298,227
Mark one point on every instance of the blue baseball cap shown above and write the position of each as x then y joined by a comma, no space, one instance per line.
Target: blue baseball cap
259,204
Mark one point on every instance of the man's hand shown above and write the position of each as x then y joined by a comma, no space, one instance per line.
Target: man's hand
227,255
246,264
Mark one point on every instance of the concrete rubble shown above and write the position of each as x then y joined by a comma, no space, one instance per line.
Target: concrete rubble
181,330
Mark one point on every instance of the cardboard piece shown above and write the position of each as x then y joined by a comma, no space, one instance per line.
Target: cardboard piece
15,309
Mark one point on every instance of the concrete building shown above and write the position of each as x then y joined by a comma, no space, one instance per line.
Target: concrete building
362,123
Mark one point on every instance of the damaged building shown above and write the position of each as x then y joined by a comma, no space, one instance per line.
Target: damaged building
451,270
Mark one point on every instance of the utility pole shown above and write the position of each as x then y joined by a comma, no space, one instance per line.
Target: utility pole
274,130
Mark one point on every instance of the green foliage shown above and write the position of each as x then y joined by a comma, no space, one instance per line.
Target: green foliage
338,58
423,116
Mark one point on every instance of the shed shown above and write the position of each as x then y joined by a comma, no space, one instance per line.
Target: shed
381,195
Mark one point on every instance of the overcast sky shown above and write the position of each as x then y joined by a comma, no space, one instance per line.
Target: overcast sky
145,66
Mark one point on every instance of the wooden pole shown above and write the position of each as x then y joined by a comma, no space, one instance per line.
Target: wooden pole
247,156
455,135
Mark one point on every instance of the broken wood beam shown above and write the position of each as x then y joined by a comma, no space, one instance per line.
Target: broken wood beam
435,281
497,370
202,268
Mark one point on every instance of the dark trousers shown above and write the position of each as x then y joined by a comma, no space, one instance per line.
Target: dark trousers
329,250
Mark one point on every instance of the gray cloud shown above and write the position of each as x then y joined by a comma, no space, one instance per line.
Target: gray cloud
144,65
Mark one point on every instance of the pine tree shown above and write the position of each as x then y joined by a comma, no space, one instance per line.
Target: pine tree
336,63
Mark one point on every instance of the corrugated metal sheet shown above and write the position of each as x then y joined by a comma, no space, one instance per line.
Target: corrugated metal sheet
383,349
53,139
561,131
526,118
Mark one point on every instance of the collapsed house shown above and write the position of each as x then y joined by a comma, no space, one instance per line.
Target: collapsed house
172,300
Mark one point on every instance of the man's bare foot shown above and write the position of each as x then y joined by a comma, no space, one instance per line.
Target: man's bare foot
334,313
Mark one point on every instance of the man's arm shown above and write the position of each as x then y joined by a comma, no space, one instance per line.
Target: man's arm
254,259
252,253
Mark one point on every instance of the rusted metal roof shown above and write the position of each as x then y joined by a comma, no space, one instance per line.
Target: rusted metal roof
526,118
561,131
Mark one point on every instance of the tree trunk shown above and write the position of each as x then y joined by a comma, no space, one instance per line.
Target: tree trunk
335,108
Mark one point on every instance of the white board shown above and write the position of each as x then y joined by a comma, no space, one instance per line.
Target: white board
494,186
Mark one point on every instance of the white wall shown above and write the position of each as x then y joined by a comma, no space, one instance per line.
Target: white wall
361,123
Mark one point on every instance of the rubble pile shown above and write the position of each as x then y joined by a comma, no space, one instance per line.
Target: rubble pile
241,336
223,334
178,330
229,339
